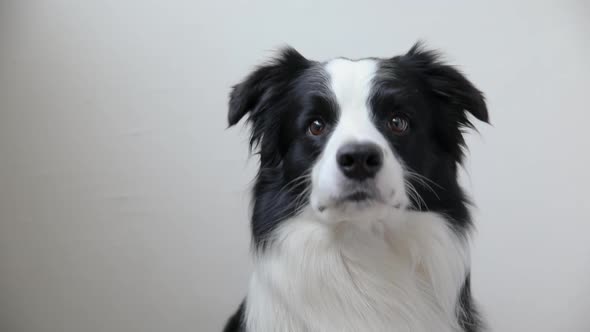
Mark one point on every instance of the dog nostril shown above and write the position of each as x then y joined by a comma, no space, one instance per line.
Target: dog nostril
346,160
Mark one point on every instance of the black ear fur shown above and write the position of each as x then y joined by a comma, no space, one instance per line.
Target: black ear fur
450,84
253,94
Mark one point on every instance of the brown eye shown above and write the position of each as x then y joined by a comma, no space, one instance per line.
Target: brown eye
316,127
399,124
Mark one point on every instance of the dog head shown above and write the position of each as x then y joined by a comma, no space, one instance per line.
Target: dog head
342,138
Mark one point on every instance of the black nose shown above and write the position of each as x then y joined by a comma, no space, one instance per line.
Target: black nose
359,161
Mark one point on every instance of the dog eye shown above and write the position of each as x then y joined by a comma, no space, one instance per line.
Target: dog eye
399,124
316,127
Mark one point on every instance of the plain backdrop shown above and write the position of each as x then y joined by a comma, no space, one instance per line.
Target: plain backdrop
124,198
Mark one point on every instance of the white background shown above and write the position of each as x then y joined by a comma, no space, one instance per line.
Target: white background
123,198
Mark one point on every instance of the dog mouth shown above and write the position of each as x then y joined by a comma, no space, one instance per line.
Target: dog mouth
356,196
353,195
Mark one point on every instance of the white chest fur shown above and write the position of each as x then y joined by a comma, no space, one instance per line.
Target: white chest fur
314,277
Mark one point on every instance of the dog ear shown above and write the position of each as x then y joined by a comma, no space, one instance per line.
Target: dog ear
450,85
256,92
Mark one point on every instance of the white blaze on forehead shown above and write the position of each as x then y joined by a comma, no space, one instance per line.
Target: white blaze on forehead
351,82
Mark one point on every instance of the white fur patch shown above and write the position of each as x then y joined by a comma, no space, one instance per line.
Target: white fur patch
351,83
393,276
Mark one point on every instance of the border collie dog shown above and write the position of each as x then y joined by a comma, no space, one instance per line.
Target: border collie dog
358,222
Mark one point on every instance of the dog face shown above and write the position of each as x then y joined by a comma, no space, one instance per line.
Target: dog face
344,138
358,168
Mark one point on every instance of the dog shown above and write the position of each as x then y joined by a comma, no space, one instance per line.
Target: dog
358,221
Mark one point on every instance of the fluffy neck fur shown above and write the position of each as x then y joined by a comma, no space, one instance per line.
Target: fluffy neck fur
403,276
